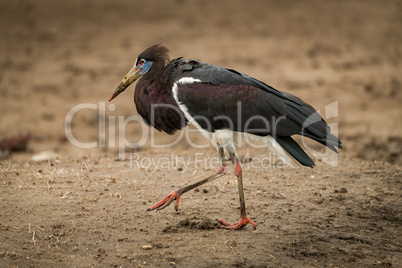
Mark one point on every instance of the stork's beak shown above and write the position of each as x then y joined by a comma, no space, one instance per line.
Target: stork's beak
130,78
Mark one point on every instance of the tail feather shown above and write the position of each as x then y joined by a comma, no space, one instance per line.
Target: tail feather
294,149
331,141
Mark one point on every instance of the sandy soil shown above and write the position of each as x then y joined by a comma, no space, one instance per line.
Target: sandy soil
84,208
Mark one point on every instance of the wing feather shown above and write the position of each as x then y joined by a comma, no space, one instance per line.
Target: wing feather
227,99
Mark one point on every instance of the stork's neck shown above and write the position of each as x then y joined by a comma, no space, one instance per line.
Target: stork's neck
157,74
154,102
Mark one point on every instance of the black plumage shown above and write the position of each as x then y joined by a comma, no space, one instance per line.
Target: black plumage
171,93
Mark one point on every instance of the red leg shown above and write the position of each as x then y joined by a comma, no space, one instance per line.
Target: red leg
175,195
244,220
166,201
238,225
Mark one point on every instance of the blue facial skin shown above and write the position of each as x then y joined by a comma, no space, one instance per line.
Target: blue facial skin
145,67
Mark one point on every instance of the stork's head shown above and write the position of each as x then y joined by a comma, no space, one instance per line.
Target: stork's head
150,61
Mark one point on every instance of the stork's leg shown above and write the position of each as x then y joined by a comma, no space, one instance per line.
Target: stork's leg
175,195
244,220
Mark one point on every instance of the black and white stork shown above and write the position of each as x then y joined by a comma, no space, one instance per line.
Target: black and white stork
171,94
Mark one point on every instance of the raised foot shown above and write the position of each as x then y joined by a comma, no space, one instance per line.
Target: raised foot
238,225
167,201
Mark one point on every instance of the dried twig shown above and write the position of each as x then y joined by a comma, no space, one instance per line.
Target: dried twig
33,237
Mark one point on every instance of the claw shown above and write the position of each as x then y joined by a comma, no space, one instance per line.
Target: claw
238,225
167,201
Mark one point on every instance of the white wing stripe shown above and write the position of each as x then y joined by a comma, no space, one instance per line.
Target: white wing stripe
182,106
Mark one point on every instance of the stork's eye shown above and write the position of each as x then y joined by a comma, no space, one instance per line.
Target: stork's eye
142,61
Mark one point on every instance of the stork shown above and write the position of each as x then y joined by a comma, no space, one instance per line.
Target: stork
221,103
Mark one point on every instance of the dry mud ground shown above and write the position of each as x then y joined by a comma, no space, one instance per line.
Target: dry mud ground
86,209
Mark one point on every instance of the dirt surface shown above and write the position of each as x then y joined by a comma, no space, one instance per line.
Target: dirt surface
83,208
